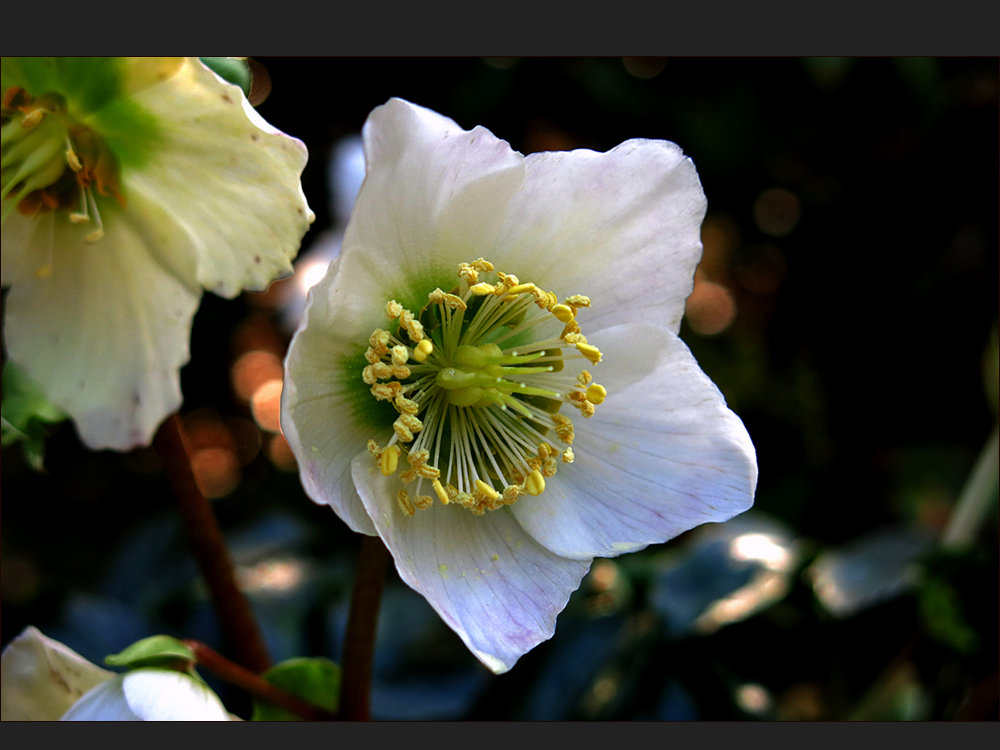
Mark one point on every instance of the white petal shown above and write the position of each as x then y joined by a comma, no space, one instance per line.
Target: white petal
149,694
623,227
107,332
41,678
16,235
661,455
494,585
434,196
324,403
227,177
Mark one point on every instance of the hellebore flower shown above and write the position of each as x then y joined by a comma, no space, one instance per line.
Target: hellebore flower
489,376
44,680
129,186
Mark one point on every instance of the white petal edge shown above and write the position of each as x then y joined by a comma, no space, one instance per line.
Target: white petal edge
497,588
227,177
662,454
622,227
317,413
434,196
105,334
149,694
41,678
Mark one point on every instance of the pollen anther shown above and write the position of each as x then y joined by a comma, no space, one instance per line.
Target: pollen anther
535,483
390,460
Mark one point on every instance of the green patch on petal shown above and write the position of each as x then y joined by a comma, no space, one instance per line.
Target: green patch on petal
96,90
316,680
25,412
365,410
155,651
132,133
87,83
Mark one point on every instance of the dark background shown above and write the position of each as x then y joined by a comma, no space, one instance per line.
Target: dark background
847,300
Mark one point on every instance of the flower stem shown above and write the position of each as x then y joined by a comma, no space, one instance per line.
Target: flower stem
254,684
359,641
235,616
977,498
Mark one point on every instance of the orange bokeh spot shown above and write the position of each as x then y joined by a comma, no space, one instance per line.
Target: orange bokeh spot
710,309
252,370
266,406
216,470
280,453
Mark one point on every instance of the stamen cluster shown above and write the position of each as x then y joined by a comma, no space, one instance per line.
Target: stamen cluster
478,377
50,161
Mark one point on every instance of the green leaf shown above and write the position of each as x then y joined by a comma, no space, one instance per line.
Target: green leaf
315,679
155,651
942,615
25,410
232,69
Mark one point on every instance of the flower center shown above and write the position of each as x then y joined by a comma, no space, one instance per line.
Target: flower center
49,161
478,377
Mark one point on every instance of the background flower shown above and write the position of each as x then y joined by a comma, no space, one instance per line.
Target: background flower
663,453
182,187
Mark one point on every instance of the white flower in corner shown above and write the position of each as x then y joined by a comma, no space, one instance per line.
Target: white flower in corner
149,694
44,680
128,187
490,379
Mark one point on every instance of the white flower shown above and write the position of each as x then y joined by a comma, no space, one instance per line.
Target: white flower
415,355
44,680
149,694
130,186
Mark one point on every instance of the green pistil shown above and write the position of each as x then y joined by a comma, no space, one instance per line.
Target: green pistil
483,377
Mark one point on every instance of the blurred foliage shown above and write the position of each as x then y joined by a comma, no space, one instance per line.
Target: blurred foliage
846,306
26,411
315,679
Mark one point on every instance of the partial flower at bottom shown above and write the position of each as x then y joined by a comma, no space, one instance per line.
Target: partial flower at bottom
44,680
128,187
490,379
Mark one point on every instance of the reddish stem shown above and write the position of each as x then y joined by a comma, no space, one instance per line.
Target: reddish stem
359,641
254,684
235,616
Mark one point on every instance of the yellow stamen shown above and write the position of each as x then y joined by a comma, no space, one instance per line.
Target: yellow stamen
422,350
535,483
440,492
563,313
482,265
423,502
481,290
596,393
403,498
520,289
71,158
589,351
491,493
390,460
406,406
399,355
34,117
